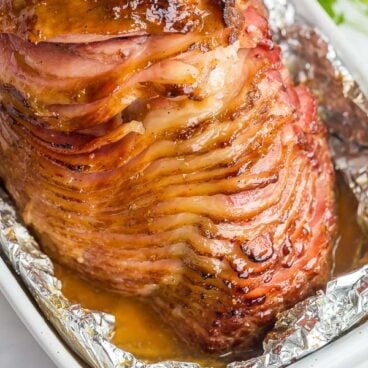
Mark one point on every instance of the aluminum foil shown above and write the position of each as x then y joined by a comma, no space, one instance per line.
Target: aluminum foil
87,333
299,331
315,322
343,105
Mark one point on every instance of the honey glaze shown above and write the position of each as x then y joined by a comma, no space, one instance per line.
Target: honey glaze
140,330
80,20
351,243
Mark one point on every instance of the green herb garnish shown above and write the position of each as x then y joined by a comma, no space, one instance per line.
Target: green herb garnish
359,23
329,7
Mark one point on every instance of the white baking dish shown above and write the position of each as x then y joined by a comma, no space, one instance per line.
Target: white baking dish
348,351
23,305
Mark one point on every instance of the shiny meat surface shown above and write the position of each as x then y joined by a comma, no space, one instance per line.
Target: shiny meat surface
185,168
96,20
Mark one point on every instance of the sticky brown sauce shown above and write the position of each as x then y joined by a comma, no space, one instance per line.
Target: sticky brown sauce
138,328
352,243
140,331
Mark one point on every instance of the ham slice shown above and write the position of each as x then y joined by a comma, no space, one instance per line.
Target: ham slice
162,151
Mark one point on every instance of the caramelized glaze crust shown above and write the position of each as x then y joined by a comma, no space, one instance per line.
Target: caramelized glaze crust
95,20
185,168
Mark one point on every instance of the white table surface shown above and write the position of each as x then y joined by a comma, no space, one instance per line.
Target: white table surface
17,347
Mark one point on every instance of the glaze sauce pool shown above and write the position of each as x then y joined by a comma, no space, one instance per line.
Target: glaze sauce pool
351,244
139,330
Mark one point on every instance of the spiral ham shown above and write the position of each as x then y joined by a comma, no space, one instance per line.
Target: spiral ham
161,150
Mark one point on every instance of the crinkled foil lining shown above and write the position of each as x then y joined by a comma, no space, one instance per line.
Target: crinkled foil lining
299,331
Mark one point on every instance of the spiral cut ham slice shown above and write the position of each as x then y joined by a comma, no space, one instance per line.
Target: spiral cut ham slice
177,163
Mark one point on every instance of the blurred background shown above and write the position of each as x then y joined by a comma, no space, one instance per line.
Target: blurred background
352,18
349,14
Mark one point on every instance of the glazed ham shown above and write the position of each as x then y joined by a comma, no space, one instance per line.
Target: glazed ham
160,149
